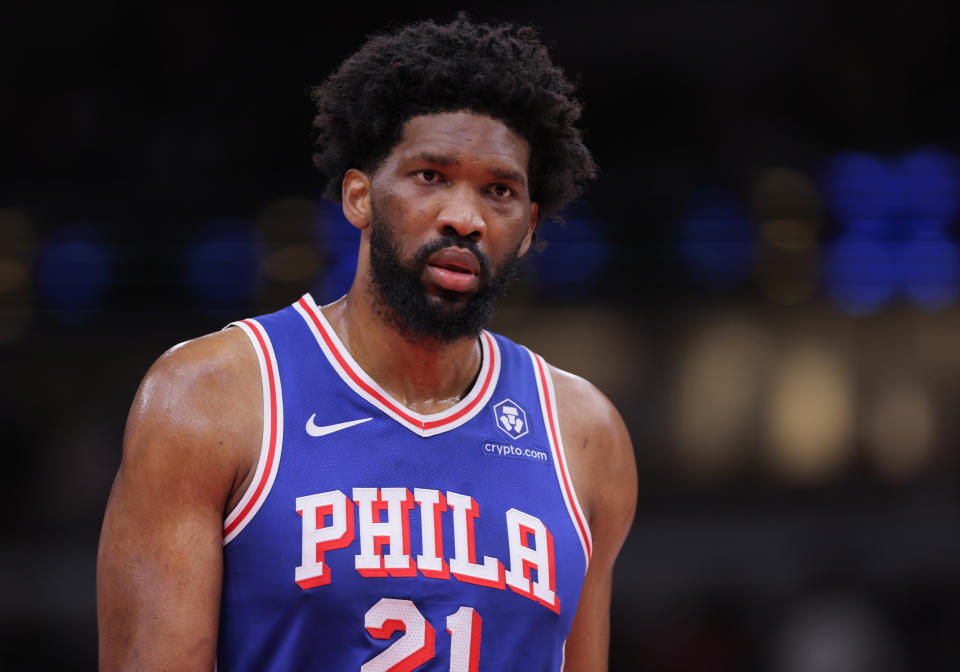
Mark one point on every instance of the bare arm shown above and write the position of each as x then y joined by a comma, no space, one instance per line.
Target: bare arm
193,430
603,468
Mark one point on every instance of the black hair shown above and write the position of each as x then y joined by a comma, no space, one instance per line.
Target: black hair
503,71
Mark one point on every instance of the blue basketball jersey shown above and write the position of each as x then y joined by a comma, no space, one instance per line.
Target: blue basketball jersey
374,538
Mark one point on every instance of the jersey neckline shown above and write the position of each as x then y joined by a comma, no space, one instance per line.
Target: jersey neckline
366,387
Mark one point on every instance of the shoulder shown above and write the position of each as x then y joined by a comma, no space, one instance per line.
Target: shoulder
216,372
200,405
599,453
207,363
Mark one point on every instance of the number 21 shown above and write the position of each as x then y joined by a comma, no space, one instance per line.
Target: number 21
416,646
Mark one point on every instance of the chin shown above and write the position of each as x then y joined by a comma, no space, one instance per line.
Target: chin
446,299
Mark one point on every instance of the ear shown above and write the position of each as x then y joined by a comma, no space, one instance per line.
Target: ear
531,227
355,195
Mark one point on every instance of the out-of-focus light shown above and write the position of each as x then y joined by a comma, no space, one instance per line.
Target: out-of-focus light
290,257
785,194
74,268
14,320
577,254
13,274
789,235
835,631
787,278
293,264
931,269
222,262
895,214
931,179
17,242
810,416
339,242
861,187
900,429
18,238
877,229
861,273
287,221
717,241
718,394
787,206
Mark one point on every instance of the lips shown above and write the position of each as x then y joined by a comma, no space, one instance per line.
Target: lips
454,269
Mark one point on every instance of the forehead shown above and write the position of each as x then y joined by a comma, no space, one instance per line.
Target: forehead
463,136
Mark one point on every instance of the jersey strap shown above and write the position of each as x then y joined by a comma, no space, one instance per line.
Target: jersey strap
548,406
266,472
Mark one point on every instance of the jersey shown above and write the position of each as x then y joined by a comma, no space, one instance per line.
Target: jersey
375,538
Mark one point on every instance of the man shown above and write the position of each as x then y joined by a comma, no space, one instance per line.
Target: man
379,483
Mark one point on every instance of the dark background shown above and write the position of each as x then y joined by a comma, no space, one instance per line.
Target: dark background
763,280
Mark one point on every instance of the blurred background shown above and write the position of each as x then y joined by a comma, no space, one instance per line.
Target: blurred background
764,279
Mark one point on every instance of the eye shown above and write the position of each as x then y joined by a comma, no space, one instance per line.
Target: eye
428,175
501,190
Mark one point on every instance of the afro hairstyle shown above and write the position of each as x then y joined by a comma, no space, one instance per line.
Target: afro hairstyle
503,71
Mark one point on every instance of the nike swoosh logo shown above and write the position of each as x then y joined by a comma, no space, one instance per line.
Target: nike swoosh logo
315,430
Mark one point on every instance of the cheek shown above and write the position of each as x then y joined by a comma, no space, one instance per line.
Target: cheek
516,232
398,210
511,248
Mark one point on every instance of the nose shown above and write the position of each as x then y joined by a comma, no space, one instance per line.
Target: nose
460,214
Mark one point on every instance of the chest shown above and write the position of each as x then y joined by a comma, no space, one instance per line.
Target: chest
366,520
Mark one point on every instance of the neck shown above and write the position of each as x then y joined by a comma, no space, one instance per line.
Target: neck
425,375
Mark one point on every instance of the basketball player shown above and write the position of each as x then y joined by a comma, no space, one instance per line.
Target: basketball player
379,483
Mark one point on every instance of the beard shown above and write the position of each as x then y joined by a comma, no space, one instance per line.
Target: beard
446,316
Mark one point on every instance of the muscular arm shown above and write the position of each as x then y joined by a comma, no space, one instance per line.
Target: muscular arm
193,431
601,461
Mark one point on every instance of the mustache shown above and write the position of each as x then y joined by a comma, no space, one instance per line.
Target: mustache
452,240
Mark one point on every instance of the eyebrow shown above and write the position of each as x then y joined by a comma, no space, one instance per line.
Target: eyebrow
439,159
446,160
509,175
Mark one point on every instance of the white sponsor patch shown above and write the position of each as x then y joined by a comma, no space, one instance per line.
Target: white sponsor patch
510,418
509,450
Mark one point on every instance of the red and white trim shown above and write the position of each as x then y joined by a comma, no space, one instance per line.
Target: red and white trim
548,406
366,387
259,487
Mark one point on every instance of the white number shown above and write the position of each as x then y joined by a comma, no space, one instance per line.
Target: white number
464,629
416,646
410,651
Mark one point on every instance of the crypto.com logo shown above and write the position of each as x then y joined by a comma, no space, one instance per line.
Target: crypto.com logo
510,418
